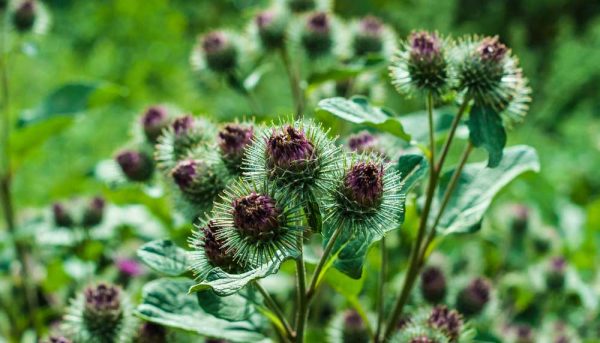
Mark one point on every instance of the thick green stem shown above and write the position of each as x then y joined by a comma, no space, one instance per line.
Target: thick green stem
314,283
302,303
413,266
295,83
272,305
450,138
380,293
451,186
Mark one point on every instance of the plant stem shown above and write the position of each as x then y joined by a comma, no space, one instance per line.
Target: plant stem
314,283
453,127
413,267
380,293
276,310
451,186
295,83
302,310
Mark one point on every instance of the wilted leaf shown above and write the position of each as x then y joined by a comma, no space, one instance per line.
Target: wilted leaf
164,257
167,302
358,110
477,187
487,131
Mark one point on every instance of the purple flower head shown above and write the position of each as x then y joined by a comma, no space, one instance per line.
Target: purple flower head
363,184
215,250
371,26
433,284
472,299
425,46
558,264
555,277
256,216
58,339
102,298
264,19
318,22
448,321
185,173
94,212
129,267
403,322
214,42
136,165
154,120
422,339
524,334
354,328
152,333
61,216
24,15
233,139
289,148
490,49
183,125
361,142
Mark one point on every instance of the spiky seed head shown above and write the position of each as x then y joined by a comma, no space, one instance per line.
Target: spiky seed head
421,65
271,25
555,275
354,329
369,37
233,140
215,251
129,267
62,217
154,120
448,321
363,184
58,339
152,333
102,312
317,36
220,53
433,284
93,212
301,5
256,216
136,165
24,15
289,149
472,299
185,173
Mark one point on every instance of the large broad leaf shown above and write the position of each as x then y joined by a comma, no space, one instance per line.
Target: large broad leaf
164,257
358,110
486,130
69,99
223,283
411,168
416,124
234,307
477,187
167,302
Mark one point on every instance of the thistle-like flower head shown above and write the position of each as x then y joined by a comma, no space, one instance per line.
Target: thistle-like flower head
154,120
472,299
446,320
433,284
219,52
200,181
181,139
524,334
354,329
439,324
136,165
233,141
299,157
24,15
369,36
256,222
62,217
488,73
366,196
271,26
421,65
93,212
317,37
555,275
365,143
102,313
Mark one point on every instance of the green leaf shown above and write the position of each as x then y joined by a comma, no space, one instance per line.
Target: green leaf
69,99
166,302
223,283
351,258
234,307
411,168
416,124
358,110
27,139
477,187
164,257
346,286
486,130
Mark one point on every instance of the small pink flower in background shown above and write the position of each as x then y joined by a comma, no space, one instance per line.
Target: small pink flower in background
129,267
